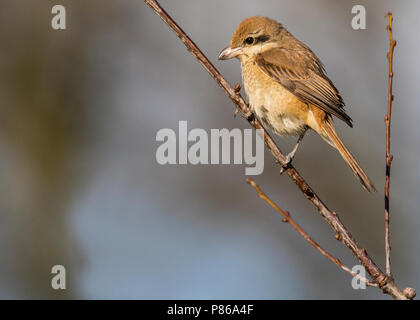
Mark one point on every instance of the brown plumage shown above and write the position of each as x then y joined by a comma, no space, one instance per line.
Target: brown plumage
287,87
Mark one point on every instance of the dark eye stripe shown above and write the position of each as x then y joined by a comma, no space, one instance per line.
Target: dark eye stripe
263,38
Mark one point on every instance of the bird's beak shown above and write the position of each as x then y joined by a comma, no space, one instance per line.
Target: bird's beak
229,53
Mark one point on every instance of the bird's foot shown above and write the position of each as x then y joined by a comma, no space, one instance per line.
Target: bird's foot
237,88
287,163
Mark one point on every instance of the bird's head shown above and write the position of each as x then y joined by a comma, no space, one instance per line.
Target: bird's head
252,36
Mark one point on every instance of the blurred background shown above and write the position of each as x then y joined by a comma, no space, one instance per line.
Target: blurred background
79,181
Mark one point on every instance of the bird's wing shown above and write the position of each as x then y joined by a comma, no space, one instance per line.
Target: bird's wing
302,73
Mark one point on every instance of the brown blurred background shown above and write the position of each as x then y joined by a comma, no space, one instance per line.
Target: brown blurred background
80,185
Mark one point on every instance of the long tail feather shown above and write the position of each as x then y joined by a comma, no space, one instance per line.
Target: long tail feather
335,140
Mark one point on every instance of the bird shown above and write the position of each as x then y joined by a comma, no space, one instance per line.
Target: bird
287,86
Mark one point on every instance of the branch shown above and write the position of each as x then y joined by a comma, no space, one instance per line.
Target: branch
385,283
389,157
288,218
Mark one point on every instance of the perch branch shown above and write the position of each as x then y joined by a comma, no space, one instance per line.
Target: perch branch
389,157
385,283
287,218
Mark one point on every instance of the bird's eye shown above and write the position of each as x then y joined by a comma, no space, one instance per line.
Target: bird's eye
249,40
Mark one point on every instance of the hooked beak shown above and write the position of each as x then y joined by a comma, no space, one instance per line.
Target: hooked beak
229,53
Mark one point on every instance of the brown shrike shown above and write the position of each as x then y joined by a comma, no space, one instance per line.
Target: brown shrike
287,86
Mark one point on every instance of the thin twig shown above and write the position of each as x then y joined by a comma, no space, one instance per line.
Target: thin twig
289,219
386,284
389,157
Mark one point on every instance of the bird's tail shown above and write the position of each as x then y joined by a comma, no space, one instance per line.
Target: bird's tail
335,141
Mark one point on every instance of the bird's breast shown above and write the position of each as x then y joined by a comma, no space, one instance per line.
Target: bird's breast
276,107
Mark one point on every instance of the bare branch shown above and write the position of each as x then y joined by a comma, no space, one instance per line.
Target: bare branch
389,157
288,218
385,283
